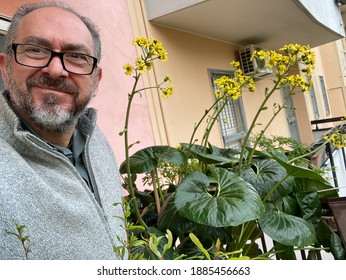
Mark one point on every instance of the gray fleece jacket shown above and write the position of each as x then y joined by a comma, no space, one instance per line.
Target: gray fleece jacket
41,189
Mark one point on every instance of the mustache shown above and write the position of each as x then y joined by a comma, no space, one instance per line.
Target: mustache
60,84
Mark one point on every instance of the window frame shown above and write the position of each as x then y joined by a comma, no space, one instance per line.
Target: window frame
314,103
230,140
324,94
5,22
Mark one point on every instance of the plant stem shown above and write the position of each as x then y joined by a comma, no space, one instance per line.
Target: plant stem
162,197
127,155
275,187
252,126
309,153
156,194
254,121
249,158
201,120
214,118
253,241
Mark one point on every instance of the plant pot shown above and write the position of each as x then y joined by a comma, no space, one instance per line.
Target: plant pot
337,206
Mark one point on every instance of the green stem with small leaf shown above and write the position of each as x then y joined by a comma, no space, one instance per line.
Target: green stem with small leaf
127,153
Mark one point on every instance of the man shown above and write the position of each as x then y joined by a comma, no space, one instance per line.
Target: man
58,177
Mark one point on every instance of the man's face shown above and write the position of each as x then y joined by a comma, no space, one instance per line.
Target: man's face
51,97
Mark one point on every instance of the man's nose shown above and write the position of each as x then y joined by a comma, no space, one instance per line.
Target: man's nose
55,68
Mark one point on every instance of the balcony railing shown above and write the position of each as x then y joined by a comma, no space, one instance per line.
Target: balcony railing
333,160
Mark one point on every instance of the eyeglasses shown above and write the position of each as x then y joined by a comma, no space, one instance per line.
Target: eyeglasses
39,57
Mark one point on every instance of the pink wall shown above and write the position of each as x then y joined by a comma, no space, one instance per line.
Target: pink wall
113,19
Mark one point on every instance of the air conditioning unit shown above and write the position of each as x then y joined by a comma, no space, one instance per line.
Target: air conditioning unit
249,67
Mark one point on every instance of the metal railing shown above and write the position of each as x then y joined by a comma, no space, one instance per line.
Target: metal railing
324,157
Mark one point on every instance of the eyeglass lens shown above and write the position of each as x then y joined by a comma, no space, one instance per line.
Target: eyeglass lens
39,57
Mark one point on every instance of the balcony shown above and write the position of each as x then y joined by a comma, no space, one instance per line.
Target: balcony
266,23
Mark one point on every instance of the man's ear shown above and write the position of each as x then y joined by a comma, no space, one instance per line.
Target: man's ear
3,66
98,79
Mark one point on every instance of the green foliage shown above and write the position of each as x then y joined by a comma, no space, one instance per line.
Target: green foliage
206,202
286,145
215,200
23,239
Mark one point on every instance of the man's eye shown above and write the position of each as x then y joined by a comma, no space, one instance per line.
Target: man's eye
78,56
34,51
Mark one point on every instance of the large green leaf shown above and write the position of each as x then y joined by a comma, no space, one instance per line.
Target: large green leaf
213,154
287,229
329,238
301,172
264,175
288,205
229,202
147,159
264,154
285,252
310,206
323,188
169,218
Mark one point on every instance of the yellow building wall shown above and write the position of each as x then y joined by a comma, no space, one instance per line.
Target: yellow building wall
332,57
190,57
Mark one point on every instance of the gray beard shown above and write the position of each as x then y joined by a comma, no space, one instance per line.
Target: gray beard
49,116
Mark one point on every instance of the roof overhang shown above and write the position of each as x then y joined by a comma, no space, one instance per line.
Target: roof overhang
266,23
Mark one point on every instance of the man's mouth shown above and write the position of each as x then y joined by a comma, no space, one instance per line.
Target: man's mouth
52,85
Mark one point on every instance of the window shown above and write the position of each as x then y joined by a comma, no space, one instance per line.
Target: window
314,103
4,24
231,119
324,94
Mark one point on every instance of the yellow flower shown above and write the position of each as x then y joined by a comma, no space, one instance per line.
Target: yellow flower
218,93
158,50
251,85
235,64
128,69
274,59
167,79
149,65
140,64
337,139
261,54
167,92
141,42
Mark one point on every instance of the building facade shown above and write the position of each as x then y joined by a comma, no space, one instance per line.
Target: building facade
201,38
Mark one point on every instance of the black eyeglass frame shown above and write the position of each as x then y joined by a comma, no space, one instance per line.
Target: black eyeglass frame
52,55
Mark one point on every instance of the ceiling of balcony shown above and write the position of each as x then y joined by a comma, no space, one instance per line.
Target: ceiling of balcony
343,14
266,23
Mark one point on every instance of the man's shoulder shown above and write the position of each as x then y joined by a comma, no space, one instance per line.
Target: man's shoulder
10,157
5,147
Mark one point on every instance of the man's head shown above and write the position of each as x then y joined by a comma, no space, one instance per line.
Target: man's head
50,66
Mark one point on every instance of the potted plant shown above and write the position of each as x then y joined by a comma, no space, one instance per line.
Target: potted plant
206,202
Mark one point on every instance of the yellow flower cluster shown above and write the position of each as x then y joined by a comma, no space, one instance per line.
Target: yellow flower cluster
299,81
167,92
158,50
232,87
291,56
151,49
337,139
